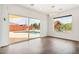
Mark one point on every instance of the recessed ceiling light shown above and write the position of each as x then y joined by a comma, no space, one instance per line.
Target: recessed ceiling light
53,6
60,9
31,4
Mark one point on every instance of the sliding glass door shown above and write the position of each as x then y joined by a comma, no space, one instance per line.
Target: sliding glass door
23,28
34,31
18,26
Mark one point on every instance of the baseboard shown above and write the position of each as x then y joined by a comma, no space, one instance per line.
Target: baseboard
62,38
39,37
22,41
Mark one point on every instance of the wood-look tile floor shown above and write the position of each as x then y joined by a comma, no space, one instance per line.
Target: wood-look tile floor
43,46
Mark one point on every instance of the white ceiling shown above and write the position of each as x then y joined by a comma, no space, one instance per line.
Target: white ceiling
48,9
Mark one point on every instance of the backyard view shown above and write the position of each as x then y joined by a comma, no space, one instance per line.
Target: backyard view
22,28
35,30
63,24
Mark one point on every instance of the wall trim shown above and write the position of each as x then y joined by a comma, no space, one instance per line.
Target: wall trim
21,41
62,38
39,37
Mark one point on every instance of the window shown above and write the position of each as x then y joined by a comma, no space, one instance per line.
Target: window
63,24
18,27
22,28
35,28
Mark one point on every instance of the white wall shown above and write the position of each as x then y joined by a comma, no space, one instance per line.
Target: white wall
22,11
74,35
3,25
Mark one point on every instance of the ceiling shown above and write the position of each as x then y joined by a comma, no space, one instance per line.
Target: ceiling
50,8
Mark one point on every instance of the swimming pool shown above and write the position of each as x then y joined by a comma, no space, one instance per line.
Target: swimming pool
27,32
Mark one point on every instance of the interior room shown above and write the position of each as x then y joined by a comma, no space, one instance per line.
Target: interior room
39,29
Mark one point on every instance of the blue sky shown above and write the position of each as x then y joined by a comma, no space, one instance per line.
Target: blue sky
32,21
24,20
65,20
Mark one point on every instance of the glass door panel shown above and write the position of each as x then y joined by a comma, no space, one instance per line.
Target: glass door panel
34,28
18,26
